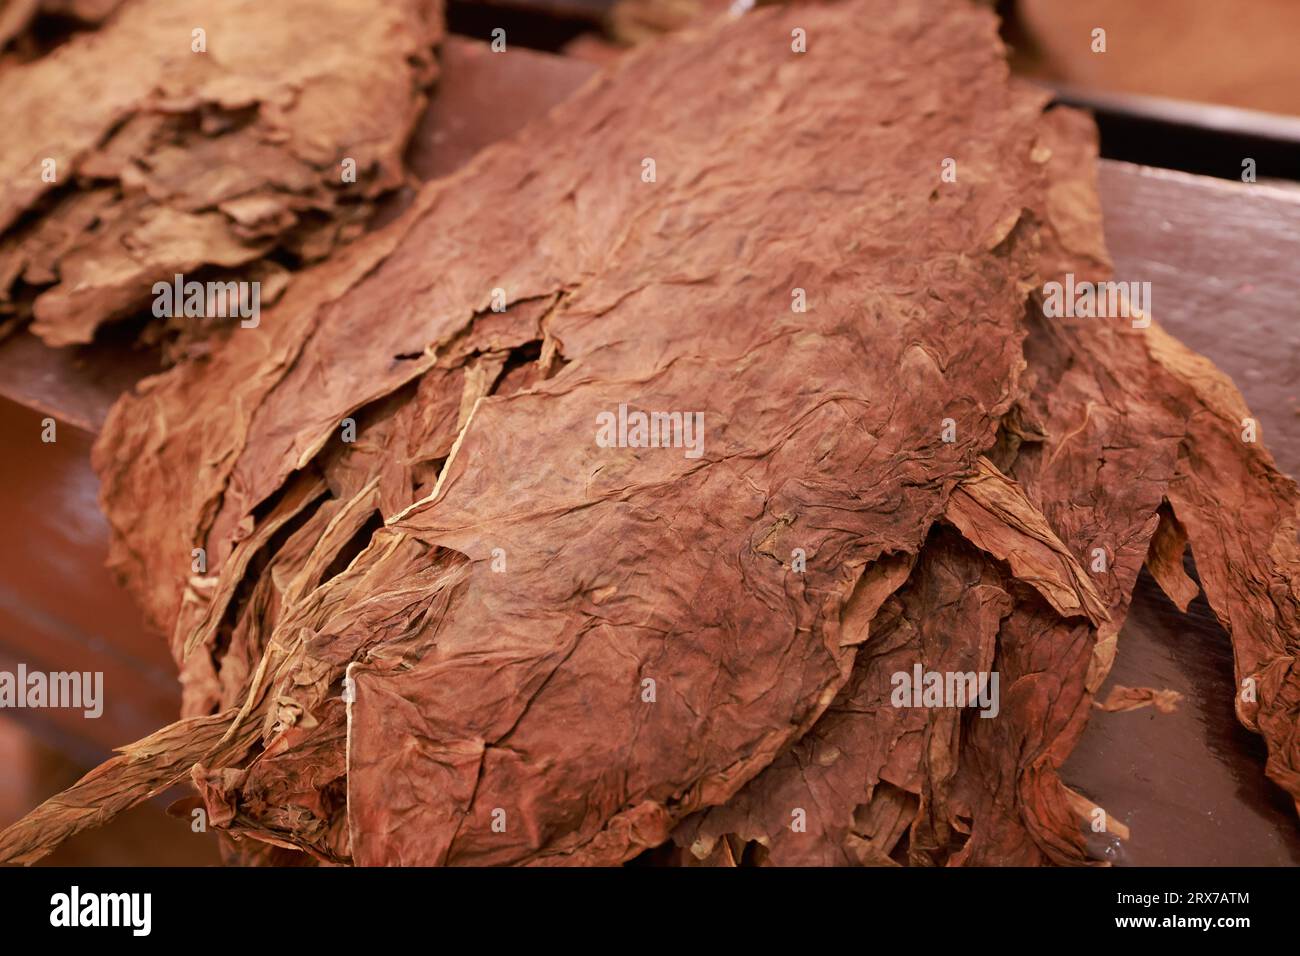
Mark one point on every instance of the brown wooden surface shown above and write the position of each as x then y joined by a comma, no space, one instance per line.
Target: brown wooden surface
75,385
484,97
1190,785
61,610
59,607
1223,259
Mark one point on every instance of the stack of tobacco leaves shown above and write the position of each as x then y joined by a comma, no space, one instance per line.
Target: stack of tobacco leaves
238,139
435,618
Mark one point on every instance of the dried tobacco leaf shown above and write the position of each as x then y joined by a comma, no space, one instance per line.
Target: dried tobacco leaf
1133,402
477,634
1102,405
1121,698
226,140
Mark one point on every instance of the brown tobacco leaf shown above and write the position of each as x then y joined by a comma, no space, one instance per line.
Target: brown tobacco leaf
1127,424
802,807
266,126
555,651
294,789
142,770
1241,518
1118,401
985,790
1075,428
1123,698
267,429
992,512
573,635
572,628
986,786
1165,561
